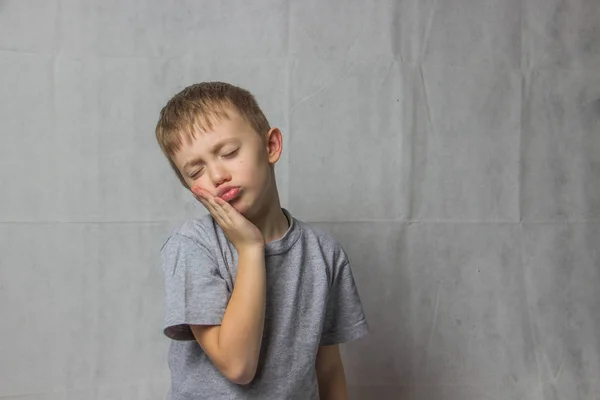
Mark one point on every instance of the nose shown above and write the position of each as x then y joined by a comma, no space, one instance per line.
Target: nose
219,175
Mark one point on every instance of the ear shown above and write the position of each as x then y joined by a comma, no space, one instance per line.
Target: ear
274,142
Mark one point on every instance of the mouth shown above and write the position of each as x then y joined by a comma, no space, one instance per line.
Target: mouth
229,194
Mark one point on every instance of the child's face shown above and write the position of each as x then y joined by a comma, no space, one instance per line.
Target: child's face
231,156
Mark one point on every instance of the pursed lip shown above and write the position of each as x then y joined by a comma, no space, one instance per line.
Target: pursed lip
226,189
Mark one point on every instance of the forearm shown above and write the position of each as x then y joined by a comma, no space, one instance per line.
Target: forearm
241,330
330,374
334,387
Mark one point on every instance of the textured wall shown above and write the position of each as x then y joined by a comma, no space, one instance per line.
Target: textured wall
453,146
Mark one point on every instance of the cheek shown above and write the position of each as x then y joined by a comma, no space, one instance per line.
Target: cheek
194,188
248,174
198,184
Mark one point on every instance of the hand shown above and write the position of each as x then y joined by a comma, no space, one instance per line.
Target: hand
240,232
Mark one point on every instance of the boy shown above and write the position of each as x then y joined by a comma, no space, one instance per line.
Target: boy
256,300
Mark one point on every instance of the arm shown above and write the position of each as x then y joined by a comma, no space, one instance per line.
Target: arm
330,374
234,346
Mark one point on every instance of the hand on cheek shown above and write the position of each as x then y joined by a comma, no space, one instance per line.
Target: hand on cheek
196,190
241,232
209,201
200,194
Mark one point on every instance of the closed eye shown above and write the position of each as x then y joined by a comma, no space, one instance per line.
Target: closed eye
196,174
231,154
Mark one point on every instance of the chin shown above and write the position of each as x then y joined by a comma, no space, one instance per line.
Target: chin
246,207
241,210
240,206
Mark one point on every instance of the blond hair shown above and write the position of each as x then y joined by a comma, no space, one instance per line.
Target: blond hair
196,108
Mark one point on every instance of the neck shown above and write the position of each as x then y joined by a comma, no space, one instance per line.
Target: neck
272,222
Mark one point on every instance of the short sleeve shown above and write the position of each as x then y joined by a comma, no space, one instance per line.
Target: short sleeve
195,292
344,317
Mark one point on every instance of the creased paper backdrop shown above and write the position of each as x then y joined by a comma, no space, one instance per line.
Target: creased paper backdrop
452,146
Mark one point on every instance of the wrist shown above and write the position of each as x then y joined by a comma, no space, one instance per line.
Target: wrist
255,249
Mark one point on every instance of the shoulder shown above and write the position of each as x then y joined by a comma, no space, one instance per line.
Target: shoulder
193,232
320,234
192,243
320,239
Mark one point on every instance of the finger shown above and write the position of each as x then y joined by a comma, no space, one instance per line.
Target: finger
205,203
200,193
227,208
217,205
210,206
224,210
201,197
209,199
211,209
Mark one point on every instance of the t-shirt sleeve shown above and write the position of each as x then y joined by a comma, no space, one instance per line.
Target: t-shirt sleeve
344,317
195,292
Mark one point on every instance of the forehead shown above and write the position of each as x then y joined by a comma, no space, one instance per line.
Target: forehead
227,122
202,139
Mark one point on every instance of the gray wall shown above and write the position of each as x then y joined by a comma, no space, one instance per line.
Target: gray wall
453,147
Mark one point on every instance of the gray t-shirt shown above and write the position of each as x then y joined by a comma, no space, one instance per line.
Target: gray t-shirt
311,301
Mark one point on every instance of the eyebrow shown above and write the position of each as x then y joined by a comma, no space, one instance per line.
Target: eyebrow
216,148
